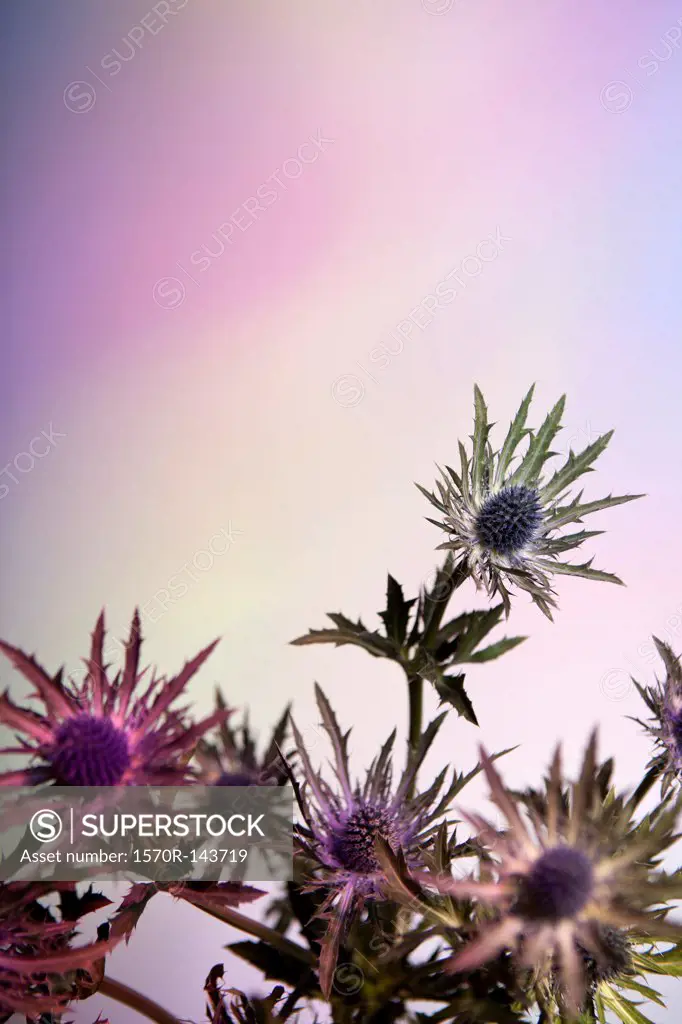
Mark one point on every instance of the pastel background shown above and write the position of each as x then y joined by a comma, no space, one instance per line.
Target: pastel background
245,398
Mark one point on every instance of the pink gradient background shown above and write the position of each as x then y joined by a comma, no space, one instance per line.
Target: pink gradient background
226,409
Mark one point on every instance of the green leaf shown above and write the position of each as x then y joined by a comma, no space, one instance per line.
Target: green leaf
643,990
575,466
496,649
481,623
348,632
559,545
573,513
669,963
451,691
464,464
517,432
584,570
539,448
434,501
271,962
480,440
397,614
435,600
621,1006
470,622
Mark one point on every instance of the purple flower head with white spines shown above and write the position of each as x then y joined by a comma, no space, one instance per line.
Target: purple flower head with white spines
665,703
506,515
104,732
345,825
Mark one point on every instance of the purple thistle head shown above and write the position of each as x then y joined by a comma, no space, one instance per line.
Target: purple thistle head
105,732
665,703
558,886
564,870
345,825
509,519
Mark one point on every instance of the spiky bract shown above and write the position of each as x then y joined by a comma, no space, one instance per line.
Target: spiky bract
104,732
343,826
664,701
40,971
233,760
506,517
567,866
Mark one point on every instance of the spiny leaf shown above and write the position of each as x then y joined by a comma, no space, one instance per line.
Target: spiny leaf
585,570
627,1011
575,466
348,632
539,447
517,432
465,623
574,512
495,650
558,545
479,626
397,614
130,911
479,439
451,691
270,962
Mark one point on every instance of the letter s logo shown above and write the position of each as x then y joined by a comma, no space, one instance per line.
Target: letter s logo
46,826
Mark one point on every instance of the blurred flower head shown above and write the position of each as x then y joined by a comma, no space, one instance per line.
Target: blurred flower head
234,760
614,959
664,701
104,732
506,517
344,825
563,873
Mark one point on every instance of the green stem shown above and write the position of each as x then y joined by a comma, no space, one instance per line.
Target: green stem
415,688
136,1001
260,931
416,698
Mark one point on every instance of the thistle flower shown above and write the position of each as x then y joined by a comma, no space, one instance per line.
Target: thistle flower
614,961
560,878
104,732
665,703
343,828
505,517
40,972
234,761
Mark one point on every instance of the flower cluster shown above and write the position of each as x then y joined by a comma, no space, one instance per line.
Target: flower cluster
557,913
